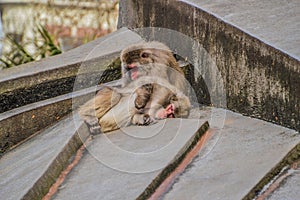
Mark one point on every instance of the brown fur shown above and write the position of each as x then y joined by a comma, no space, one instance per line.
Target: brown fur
108,107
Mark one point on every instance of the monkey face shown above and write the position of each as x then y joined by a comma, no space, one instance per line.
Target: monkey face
181,106
144,60
137,63
167,112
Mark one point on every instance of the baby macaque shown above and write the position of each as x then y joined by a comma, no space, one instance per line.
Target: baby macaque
153,85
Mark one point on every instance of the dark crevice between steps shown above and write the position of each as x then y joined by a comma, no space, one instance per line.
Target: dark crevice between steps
40,92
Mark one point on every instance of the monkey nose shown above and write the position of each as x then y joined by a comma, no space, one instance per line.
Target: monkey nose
131,65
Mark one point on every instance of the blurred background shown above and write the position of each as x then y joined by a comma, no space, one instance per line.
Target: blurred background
33,29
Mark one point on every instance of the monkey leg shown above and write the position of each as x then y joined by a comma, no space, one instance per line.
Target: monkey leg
93,110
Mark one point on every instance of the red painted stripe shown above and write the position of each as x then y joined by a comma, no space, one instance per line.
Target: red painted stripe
276,184
168,182
54,188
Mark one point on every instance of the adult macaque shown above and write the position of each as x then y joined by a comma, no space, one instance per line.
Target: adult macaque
150,101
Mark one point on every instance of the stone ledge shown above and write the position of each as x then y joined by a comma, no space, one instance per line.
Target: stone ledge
144,152
274,23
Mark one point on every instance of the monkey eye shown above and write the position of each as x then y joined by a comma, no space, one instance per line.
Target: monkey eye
145,55
174,98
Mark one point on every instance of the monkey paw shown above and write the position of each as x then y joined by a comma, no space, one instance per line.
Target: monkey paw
148,87
142,120
140,103
147,120
143,95
94,127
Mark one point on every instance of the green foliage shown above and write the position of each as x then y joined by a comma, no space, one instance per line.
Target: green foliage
49,42
44,45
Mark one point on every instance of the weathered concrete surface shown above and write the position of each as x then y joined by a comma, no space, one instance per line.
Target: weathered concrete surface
260,80
246,151
289,189
18,124
275,22
29,170
122,164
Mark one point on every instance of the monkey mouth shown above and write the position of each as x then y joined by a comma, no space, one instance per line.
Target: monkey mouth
171,115
134,73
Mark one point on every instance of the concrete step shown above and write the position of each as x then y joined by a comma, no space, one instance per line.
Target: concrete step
122,164
28,171
127,163
289,189
37,116
240,154
246,152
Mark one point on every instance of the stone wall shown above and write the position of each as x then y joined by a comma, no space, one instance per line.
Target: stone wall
259,80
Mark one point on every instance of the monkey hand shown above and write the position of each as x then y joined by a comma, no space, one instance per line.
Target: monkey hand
142,120
143,95
93,126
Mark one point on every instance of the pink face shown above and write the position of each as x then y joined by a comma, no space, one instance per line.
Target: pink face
135,61
168,112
